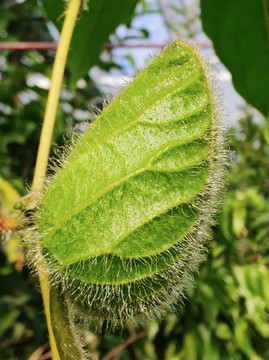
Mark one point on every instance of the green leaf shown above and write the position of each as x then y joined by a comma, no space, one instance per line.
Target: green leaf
267,131
242,338
240,34
8,318
190,346
92,30
223,331
123,223
8,196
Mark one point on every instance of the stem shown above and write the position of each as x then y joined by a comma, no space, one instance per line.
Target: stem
54,93
44,45
45,142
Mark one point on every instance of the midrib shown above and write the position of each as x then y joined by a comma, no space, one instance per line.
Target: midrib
188,83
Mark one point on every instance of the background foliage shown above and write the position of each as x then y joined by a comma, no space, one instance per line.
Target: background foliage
226,313
244,52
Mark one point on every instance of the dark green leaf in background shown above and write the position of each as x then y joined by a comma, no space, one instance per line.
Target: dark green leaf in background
240,34
92,30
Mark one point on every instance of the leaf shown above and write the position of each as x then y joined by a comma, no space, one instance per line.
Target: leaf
223,331
190,346
266,135
240,34
92,30
209,349
8,318
122,224
8,196
242,338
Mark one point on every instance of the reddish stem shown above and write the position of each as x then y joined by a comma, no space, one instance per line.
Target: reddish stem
28,45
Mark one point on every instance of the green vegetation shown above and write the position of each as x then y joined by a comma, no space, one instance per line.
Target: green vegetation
225,313
240,33
141,182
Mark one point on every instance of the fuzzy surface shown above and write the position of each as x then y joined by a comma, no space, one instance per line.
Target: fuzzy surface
122,224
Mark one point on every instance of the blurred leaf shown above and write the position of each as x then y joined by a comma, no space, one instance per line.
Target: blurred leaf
239,218
6,17
267,131
210,350
145,33
253,279
223,331
190,346
170,324
261,219
242,338
209,302
8,196
171,353
11,246
8,317
240,34
13,251
92,30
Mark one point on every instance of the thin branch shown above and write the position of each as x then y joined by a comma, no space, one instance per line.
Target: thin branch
118,349
39,351
108,46
28,45
45,356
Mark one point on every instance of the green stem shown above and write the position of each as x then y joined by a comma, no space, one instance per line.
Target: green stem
54,93
45,142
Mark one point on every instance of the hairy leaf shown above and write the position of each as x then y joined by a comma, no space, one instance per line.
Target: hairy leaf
122,223
240,34
91,31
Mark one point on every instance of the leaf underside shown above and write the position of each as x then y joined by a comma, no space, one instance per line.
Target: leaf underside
121,217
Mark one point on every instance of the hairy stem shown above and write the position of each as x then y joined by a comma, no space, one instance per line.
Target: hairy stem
46,136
